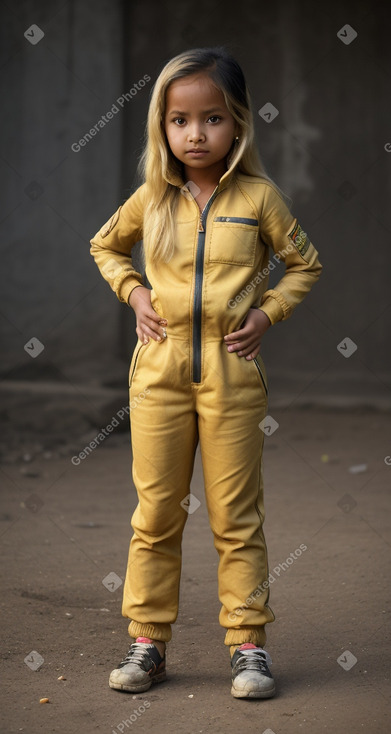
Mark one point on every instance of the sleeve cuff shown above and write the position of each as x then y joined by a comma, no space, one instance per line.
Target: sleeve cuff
126,287
272,309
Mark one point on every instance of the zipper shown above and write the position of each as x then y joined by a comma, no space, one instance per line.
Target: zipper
261,374
197,301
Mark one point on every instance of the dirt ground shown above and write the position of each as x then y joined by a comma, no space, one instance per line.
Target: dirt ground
65,528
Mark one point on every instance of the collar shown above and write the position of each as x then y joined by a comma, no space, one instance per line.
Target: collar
175,177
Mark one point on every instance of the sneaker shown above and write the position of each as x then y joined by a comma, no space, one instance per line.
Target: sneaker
251,677
142,666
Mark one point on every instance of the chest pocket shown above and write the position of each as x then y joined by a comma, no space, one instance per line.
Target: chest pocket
233,240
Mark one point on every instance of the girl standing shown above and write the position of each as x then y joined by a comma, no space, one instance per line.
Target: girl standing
207,213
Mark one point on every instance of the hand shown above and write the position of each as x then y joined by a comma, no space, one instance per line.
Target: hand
247,341
148,321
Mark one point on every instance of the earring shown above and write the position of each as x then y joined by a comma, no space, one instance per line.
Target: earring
236,139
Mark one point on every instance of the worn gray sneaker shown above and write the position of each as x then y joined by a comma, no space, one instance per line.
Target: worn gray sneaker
142,666
251,677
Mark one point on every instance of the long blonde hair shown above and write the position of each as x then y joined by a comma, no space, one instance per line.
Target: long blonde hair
157,160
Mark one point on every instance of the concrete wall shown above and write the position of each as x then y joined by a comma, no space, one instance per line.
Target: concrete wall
327,149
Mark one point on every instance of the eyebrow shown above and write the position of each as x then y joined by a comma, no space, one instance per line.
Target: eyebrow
204,112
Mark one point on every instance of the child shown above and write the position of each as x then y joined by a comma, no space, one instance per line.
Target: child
207,213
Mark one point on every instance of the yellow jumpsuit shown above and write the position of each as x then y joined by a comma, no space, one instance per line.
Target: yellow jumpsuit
189,389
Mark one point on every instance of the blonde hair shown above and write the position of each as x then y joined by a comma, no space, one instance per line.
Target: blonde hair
157,160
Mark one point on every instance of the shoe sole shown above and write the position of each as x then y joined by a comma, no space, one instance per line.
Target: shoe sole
159,678
253,694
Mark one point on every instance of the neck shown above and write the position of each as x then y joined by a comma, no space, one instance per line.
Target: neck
205,178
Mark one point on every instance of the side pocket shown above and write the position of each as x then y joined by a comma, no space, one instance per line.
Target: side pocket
261,371
134,360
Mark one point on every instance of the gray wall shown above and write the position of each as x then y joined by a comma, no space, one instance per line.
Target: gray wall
326,149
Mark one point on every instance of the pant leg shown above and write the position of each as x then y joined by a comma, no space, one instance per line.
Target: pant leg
231,403
164,439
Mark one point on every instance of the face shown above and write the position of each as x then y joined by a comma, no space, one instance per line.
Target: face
199,128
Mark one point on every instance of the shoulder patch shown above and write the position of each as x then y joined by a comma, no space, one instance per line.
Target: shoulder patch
300,239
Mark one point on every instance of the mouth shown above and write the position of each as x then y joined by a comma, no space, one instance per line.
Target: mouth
196,151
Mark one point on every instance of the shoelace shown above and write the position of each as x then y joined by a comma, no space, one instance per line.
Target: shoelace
136,654
254,660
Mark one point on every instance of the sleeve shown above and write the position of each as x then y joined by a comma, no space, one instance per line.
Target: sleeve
282,232
111,246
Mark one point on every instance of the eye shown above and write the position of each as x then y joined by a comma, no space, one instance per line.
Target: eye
178,121
214,119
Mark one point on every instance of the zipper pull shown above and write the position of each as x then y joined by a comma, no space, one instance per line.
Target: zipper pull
201,226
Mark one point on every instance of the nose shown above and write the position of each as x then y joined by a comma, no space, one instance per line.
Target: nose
195,133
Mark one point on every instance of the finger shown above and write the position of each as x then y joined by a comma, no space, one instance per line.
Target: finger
251,353
252,348
155,317
242,344
142,337
156,326
233,336
157,333
248,353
